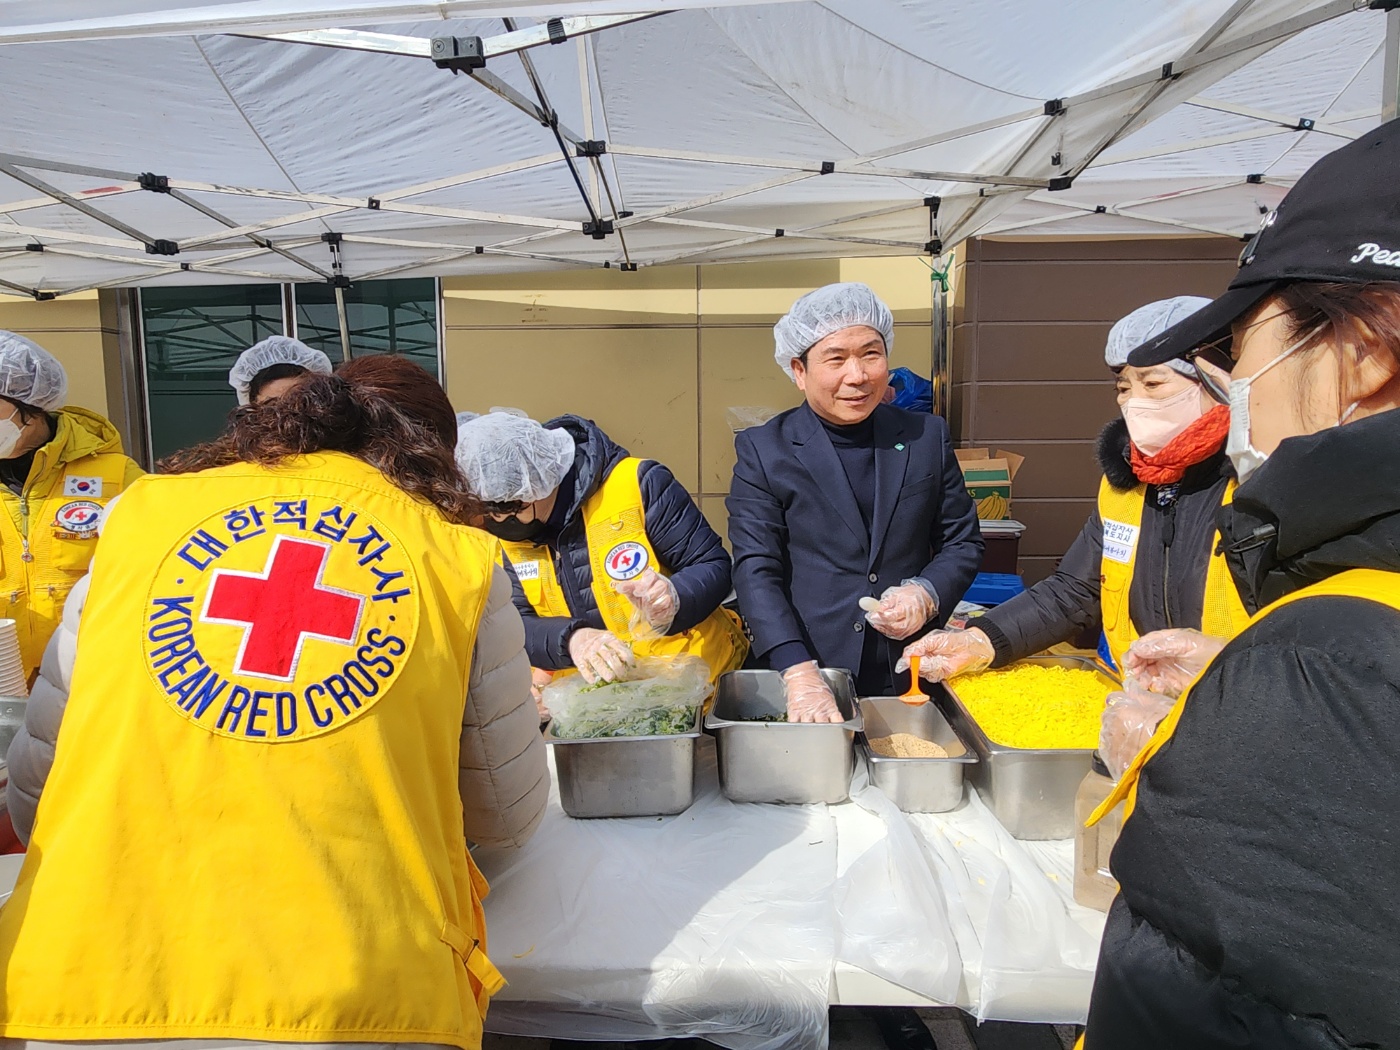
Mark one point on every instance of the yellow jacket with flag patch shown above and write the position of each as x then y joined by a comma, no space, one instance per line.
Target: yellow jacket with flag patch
274,664
49,530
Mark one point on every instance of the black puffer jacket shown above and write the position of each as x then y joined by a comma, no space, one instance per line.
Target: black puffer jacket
683,540
1169,577
1260,871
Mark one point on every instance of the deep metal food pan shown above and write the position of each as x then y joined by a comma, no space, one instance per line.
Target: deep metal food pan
626,776
781,761
915,785
1030,791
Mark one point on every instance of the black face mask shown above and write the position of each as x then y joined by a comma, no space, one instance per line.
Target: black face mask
513,530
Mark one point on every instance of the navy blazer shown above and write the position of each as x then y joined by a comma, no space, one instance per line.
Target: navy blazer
803,556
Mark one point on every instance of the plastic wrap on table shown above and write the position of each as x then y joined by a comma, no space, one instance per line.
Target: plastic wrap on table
1028,949
893,918
715,923
658,696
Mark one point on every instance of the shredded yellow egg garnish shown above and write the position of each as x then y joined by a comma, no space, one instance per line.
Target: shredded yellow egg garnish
1031,706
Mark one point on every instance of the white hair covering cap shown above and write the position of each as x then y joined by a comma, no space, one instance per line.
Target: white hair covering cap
1148,322
829,309
274,350
512,459
30,374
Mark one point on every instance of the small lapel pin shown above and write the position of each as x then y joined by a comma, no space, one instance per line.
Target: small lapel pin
899,447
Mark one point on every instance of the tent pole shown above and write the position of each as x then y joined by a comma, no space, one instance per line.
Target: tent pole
1390,81
344,324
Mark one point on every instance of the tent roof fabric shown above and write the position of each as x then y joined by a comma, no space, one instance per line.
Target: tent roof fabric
155,142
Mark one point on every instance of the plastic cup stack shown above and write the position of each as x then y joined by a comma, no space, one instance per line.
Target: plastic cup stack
12,678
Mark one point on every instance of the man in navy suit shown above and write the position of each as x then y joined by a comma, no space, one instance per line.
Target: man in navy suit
841,499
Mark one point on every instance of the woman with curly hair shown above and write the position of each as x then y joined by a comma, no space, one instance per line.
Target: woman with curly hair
301,690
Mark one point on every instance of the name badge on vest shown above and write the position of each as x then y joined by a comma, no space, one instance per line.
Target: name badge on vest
281,619
1119,541
526,571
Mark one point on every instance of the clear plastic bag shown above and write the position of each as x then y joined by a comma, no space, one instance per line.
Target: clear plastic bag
741,417
658,697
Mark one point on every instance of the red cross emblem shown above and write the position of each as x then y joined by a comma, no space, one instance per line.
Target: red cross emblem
282,607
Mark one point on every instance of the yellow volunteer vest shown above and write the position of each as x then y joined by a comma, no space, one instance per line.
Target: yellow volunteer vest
1222,614
252,829
618,549
1370,584
50,531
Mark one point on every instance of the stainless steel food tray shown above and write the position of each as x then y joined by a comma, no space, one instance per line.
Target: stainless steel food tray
1030,791
626,776
915,785
780,761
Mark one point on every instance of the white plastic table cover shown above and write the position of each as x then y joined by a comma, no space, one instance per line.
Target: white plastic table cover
729,920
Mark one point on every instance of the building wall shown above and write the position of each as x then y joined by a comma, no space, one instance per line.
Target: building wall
658,357
81,331
1030,319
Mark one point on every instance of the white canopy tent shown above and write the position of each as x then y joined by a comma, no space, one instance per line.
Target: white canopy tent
157,142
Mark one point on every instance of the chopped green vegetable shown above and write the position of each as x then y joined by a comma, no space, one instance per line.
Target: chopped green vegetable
781,716
626,712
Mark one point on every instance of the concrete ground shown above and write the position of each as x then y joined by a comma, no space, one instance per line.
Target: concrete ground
850,1030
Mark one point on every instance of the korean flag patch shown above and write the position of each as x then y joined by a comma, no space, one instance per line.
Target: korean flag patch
76,486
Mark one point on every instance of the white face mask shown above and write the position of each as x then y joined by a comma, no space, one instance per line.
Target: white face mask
1243,455
9,438
1153,425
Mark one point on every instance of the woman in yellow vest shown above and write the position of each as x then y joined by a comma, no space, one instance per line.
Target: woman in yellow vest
277,744
610,558
1145,559
1259,863
59,468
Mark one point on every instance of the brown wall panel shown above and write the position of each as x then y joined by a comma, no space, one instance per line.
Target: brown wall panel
1028,411
1055,470
1089,291
1041,351
1051,525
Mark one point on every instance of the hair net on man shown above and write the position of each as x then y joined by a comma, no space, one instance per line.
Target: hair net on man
1148,322
829,309
274,350
30,374
512,459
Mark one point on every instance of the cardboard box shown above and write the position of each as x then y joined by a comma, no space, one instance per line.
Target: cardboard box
988,476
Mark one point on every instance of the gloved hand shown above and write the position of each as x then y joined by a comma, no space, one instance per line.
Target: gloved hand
1128,723
538,680
809,698
943,654
600,656
1168,661
654,597
902,610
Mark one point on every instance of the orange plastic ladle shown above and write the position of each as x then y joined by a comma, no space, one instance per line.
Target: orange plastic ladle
913,695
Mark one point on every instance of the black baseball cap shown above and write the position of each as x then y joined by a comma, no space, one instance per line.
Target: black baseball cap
1340,222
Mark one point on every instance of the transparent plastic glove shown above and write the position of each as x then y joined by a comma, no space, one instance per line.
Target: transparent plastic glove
809,698
1168,661
1128,723
538,680
600,656
901,611
655,599
943,654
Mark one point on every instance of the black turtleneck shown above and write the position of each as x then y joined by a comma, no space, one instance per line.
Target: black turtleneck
855,447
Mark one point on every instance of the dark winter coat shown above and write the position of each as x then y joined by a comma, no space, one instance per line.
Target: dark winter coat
1260,871
1169,576
684,543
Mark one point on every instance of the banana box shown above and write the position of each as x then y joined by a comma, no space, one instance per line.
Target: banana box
988,476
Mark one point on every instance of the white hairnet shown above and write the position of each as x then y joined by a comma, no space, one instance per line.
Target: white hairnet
464,418
829,309
1148,322
512,459
30,374
274,350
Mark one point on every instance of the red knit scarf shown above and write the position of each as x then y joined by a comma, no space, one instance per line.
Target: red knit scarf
1196,444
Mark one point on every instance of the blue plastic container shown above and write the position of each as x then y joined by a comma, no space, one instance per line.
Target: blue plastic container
993,588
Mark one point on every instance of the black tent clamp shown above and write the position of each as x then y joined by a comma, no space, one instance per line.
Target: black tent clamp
461,54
